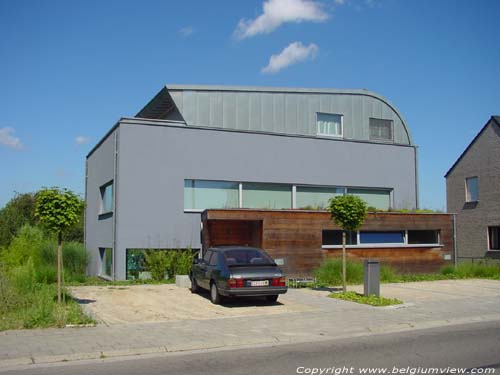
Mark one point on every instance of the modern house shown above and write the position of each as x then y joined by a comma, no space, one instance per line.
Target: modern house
473,193
193,148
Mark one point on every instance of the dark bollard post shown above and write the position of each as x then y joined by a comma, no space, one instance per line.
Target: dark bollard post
372,277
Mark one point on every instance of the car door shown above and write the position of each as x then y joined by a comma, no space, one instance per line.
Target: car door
213,269
201,276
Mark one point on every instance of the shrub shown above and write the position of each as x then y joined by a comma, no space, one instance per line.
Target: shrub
472,270
184,262
33,244
330,272
157,263
387,274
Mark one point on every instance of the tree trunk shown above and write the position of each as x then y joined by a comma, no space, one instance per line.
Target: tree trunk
344,266
59,267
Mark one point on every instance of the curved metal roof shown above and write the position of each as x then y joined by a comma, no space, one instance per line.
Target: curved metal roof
275,109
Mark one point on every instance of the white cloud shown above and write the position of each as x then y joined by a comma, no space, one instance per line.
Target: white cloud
81,140
294,53
7,139
339,2
277,12
186,31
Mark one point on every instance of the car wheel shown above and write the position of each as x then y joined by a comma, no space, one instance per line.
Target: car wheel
272,299
214,294
194,285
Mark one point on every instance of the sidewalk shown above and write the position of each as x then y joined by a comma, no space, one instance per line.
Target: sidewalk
330,319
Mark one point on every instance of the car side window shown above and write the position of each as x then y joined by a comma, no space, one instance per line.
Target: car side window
206,257
213,260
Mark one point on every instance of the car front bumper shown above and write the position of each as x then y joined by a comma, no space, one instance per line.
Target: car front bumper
253,291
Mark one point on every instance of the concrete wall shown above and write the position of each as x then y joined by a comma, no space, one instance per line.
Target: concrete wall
154,161
99,228
482,159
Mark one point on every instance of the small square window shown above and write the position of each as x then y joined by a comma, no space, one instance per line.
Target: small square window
494,238
381,130
329,124
471,189
106,198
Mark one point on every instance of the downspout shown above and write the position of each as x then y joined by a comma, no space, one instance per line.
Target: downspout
455,255
85,212
417,192
115,195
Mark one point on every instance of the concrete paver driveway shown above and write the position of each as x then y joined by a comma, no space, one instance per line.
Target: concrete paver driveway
161,303
167,302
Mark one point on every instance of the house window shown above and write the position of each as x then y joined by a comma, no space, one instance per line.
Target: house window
107,198
202,194
272,196
377,198
310,197
386,237
420,237
494,238
334,237
471,189
106,255
329,124
380,130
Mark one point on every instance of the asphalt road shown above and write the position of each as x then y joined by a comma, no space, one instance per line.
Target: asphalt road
462,347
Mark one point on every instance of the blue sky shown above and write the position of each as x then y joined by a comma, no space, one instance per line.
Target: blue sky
70,69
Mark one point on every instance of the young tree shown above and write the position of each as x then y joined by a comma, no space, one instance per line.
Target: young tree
349,213
58,210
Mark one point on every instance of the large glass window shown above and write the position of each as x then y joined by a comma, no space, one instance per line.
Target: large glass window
272,196
308,197
201,194
334,237
423,237
472,189
494,237
106,261
380,129
329,124
106,198
389,237
378,198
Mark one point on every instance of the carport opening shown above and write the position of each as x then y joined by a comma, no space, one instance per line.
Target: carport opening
233,232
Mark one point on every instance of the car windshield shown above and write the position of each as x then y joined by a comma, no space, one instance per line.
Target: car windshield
247,257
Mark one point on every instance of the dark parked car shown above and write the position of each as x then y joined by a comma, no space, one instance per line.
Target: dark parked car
237,271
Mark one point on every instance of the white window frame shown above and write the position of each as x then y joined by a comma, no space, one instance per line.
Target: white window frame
385,245
467,200
102,195
331,135
294,193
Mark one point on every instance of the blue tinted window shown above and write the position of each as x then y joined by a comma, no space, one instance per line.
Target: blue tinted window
382,237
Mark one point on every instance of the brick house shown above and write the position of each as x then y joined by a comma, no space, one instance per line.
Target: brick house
473,193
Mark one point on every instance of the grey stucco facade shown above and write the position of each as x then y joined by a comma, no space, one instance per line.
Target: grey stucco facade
481,159
149,159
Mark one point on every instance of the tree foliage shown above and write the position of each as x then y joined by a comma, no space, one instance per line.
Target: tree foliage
58,209
348,211
18,212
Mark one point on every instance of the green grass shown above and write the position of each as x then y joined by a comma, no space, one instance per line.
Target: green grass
38,308
330,273
370,300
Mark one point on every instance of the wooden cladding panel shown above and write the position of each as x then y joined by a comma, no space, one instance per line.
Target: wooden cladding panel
296,237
